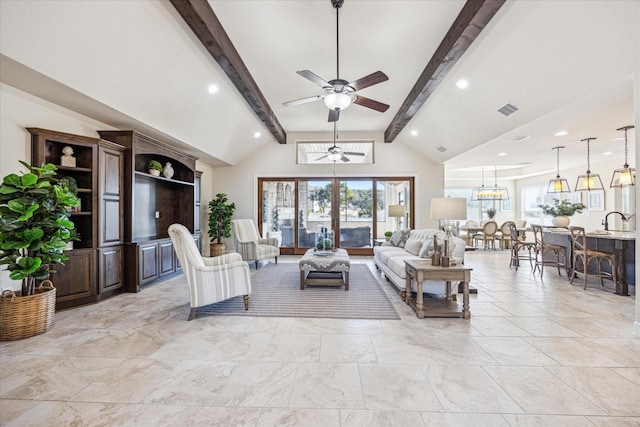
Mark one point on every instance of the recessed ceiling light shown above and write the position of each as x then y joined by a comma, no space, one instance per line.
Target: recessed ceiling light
607,153
213,89
414,132
257,135
561,133
462,84
502,154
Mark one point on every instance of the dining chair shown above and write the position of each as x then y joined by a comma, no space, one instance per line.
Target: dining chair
543,249
503,236
581,252
488,235
467,236
518,245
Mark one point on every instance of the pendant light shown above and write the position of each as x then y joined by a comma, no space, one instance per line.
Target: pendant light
490,193
558,185
626,176
588,181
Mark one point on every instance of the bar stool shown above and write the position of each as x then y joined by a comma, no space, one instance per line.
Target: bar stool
542,249
580,251
516,245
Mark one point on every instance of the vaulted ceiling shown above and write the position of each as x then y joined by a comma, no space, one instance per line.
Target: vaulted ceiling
567,65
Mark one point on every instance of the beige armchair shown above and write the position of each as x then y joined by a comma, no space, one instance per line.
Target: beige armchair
212,279
249,244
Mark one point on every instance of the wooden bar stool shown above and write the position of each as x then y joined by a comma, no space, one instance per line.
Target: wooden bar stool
542,249
517,245
580,251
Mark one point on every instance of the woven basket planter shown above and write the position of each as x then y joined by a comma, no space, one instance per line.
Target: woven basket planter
24,317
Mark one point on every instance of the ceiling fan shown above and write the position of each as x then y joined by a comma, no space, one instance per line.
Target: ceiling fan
339,93
335,153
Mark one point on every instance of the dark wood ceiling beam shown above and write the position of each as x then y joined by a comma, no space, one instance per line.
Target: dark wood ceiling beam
472,19
206,26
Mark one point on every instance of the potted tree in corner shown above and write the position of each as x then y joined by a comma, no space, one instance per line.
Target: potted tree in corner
275,232
34,230
220,214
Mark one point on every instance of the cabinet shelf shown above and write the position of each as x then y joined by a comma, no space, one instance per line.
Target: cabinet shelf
83,213
75,169
162,178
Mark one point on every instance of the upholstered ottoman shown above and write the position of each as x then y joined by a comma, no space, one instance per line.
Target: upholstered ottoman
325,268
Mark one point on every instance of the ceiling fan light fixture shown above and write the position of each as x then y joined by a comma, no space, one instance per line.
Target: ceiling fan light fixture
334,156
337,101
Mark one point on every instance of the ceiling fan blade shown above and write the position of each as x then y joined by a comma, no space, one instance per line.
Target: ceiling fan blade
314,78
352,153
344,159
334,115
301,101
370,103
370,80
320,158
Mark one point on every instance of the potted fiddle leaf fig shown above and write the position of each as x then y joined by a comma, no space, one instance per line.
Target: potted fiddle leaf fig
34,230
220,214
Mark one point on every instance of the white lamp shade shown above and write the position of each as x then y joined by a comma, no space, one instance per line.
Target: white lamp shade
449,208
397,211
337,100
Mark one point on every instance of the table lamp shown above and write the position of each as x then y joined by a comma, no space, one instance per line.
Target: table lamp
448,210
397,211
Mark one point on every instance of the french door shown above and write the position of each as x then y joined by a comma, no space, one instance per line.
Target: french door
358,211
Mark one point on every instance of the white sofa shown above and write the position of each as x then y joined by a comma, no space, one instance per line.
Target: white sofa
390,259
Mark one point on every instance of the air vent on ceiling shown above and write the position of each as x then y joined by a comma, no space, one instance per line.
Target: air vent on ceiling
508,109
441,149
524,163
519,138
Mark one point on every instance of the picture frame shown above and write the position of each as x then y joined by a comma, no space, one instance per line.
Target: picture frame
506,205
595,200
574,197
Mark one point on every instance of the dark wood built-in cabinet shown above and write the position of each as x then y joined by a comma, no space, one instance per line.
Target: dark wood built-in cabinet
94,268
152,204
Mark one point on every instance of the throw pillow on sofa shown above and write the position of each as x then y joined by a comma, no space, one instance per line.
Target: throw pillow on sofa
399,238
427,249
413,246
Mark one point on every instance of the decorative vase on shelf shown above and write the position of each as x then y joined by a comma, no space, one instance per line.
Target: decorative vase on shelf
560,221
167,171
154,172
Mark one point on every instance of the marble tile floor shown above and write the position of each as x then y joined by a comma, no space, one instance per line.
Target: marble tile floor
534,353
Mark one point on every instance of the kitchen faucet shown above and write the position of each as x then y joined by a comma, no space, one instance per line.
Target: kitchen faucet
606,222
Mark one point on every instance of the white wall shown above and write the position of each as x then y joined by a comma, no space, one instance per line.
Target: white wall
278,160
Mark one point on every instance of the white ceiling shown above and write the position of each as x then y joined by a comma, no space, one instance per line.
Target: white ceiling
567,64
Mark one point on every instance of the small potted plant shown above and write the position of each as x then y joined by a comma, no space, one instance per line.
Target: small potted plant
491,213
155,167
275,232
34,230
561,211
388,234
221,212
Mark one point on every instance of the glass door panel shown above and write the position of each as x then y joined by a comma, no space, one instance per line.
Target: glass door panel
314,210
355,213
278,211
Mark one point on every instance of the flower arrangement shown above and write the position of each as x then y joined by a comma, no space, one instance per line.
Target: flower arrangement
562,208
491,213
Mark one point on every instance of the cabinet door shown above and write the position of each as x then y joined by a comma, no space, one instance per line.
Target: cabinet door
167,256
75,280
148,262
111,212
110,268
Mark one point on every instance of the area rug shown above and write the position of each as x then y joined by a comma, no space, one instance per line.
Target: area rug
276,293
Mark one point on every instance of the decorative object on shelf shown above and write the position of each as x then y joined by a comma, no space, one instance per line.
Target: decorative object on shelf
561,211
67,158
167,171
490,193
588,181
387,235
155,167
34,231
626,176
220,216
435,256
448,210
557,184
71,185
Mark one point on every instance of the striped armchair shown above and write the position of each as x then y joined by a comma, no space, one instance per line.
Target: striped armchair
250,245
212,279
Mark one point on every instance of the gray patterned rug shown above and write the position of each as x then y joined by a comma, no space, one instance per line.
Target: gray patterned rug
276,293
